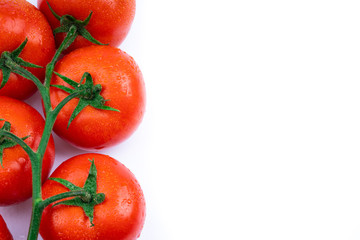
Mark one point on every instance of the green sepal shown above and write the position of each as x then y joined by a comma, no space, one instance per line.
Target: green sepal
11,62
67,21
19,49
68,80
89,94
85,34
91,198
61,29
23,63
6,75
53,12
14,55
81,105
87,20
6,142
66,89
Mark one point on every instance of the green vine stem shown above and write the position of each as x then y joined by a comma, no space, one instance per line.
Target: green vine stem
69,39
38,203
36,165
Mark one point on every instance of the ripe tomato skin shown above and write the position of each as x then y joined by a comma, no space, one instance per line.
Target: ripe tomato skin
19,20
4,231
122,84
110,22
15,175
120,217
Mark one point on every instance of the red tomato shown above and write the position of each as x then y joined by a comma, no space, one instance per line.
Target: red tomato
122,84
15,175
4,231
120,217
110,22
19,20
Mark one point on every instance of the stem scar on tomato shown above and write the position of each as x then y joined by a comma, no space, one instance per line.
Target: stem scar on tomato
89,94
68,21
11,62
6,142
90,199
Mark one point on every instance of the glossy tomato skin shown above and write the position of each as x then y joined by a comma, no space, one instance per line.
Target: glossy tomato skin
4,231
19,20
122,84
120,217
15,175
110,22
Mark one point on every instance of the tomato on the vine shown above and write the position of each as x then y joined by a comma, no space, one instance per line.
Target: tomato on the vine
122,86
110,22
4,231
15,171
120,217
20,20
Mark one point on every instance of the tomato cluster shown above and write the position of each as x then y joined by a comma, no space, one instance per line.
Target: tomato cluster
119,92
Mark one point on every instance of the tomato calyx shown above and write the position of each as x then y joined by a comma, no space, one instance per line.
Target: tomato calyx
89,94
90,199
67,21
6,142
11,62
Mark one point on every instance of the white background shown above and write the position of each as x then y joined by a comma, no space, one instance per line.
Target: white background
252,124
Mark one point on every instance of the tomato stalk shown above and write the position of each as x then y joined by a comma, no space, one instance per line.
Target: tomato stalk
45,90
69,39
9,62
38,203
